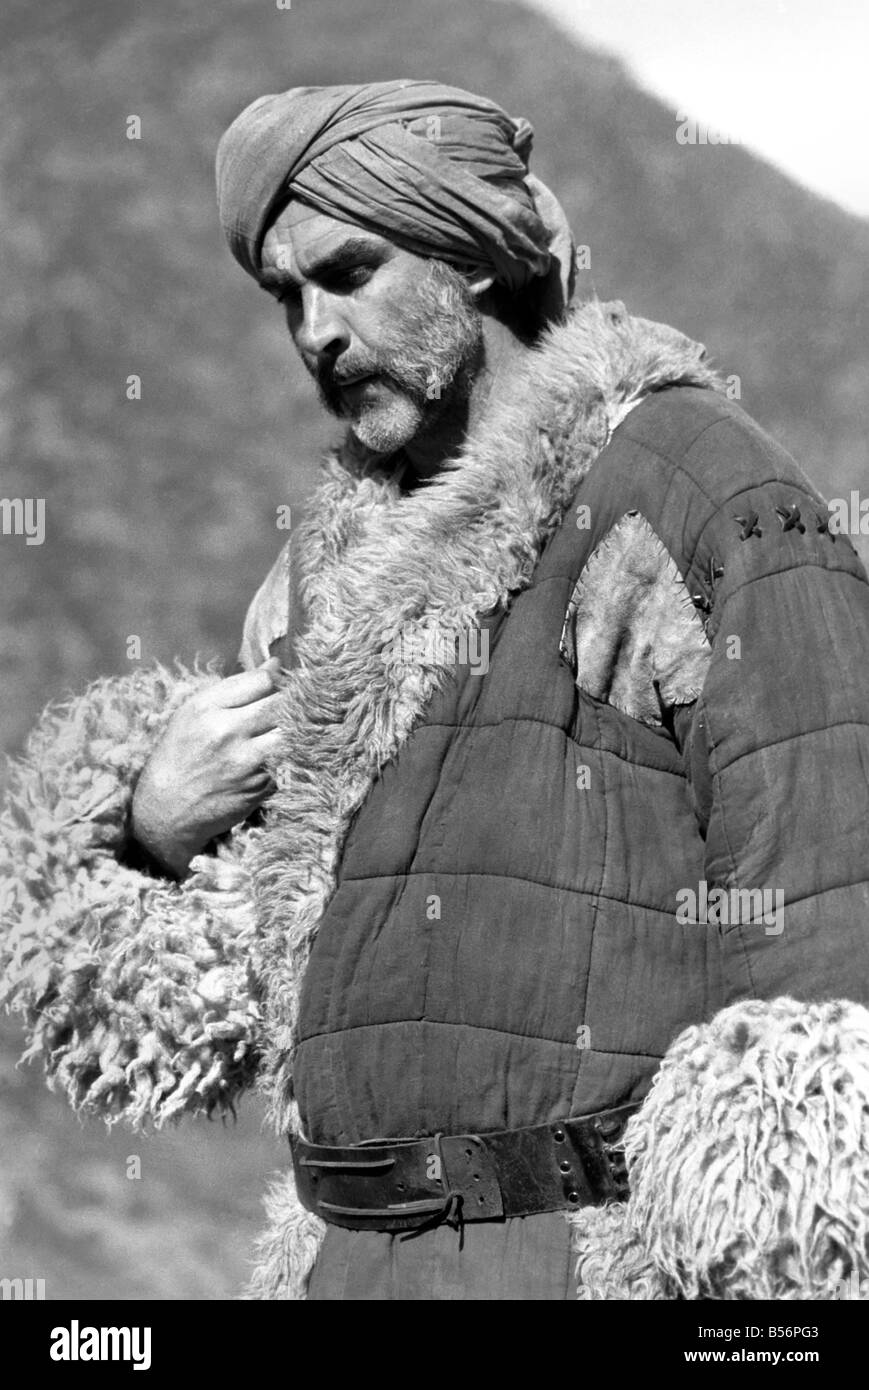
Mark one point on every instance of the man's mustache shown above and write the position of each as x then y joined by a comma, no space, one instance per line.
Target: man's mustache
331,378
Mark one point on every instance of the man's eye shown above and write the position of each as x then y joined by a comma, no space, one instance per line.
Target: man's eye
340,282
350,279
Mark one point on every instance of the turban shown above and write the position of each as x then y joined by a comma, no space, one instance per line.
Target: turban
437,170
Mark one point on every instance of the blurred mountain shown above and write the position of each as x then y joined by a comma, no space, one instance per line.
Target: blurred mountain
161,512
101,1214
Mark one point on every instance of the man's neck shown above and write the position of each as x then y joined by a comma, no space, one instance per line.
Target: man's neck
501,351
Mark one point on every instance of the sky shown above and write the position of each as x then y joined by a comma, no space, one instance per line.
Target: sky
788,78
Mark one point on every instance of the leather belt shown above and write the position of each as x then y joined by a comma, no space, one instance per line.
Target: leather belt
401,1184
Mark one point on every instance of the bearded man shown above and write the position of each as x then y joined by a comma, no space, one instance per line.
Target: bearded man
563,646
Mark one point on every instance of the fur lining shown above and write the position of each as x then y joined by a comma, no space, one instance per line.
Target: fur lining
377,567
748,1164
286,1251
137,991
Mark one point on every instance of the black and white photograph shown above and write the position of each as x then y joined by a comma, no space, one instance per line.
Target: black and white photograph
434,645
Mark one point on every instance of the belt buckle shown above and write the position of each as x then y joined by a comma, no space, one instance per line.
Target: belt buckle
458,1169
468,1171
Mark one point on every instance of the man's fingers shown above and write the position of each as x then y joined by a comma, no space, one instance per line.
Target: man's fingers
259,784
247,686
261,716
267,746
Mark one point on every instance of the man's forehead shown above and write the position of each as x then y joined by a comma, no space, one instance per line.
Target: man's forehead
301,236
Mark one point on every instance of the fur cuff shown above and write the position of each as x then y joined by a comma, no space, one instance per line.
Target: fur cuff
748,1165
288,1248
137,991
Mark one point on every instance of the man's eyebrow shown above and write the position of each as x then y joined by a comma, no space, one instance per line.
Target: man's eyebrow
347,254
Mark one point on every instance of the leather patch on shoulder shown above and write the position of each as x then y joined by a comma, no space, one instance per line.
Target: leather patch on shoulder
631,633
268,617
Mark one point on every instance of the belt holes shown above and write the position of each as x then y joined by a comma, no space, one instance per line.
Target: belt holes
400,1186
469,1153
564,1165
476,1177
573,1197
482,1201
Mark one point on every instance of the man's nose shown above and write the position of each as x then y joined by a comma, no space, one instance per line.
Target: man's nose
323,331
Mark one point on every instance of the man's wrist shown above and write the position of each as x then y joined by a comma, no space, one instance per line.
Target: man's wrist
136,856
169,852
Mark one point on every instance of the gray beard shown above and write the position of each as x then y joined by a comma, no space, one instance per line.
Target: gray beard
425,387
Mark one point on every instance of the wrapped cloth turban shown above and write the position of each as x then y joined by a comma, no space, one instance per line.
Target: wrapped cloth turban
437,170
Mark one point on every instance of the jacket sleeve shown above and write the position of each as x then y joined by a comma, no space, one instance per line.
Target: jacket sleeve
138,992
778,744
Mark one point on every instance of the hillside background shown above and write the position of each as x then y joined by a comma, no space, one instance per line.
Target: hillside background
160,513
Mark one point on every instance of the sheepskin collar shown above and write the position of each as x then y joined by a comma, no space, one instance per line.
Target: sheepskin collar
377,566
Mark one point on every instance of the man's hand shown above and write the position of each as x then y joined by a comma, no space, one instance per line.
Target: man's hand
208,772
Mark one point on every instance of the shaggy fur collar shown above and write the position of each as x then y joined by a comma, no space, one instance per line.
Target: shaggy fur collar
377,565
